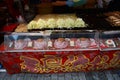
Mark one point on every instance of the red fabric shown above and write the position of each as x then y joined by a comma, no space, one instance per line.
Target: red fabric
9,28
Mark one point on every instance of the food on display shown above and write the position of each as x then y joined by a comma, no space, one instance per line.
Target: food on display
19,44
22,43
61,43
40,24
60,23
69,23
52,44
32,25
82,43
79,22
113,18
21,28
40,44
56,21
50,23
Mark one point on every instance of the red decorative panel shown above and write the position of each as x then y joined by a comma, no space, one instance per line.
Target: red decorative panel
55,62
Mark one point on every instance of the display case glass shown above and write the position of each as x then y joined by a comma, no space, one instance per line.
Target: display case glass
62,40
110,40
57,40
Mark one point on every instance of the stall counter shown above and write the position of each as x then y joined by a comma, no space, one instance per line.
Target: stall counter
57,62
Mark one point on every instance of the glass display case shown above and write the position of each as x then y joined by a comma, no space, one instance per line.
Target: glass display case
62,40
57,50
110,40
59,40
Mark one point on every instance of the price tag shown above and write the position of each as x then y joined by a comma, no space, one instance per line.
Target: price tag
72,43
30,44
49,43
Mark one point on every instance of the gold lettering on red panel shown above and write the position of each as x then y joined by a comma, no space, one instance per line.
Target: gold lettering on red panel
99,62
52,63
103,63
30,64
81,62
76,63
115,61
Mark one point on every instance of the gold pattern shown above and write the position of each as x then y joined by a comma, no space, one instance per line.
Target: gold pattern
115,61
52,62
29,66
75,62
99,62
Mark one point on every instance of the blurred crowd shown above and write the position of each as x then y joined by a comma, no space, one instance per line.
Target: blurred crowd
26,9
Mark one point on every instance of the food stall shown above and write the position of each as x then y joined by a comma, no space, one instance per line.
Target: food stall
62,43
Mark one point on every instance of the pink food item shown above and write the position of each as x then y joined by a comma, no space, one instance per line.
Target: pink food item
82,42
40,44
61,43
19,44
